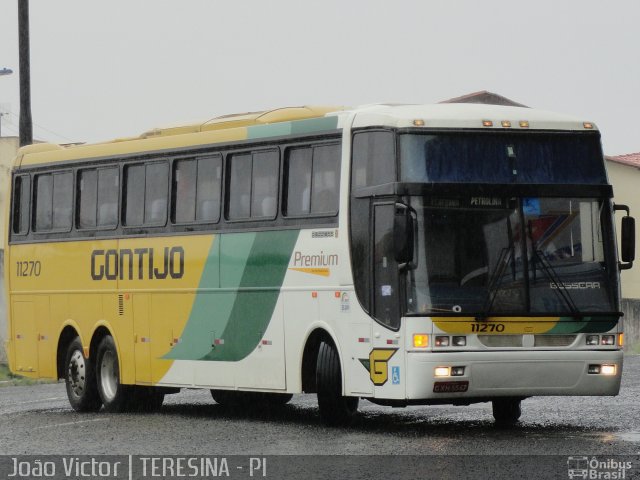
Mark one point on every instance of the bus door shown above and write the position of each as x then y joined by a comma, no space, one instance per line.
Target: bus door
387,355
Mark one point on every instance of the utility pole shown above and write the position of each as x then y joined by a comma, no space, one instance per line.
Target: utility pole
26,123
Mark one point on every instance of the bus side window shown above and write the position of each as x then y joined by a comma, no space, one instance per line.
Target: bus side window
313,180
298,173
253,185
326,179
209,188
196,190
21,197
264,191
239,186
373,159
146,188
108,192
53,202
87,198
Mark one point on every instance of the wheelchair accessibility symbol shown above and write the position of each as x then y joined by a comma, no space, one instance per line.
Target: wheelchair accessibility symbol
395,375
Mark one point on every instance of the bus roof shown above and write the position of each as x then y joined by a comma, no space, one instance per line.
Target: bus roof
306,119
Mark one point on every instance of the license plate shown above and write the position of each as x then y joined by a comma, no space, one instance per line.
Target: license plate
450,387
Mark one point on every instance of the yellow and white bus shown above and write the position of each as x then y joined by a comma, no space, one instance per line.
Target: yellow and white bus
416,254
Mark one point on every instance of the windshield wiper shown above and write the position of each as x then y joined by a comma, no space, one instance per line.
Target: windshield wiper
495,281
551,274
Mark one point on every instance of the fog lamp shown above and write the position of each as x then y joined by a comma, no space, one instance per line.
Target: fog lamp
608,370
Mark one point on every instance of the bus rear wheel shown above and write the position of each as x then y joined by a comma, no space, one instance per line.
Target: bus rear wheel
335,409
80,379
115,396
506,411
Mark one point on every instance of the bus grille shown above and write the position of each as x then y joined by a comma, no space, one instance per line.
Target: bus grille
554,340
500,340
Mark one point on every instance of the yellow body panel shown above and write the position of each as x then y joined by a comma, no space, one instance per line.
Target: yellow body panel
144,315
511,325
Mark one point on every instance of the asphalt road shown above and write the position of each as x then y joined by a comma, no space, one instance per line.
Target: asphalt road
38,420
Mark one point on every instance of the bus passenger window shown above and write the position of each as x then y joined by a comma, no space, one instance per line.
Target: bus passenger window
98,197
184,182
54,200
313,180
21,196
239,187
264,190
326,179
108,192
87,198
253,185
298,181
155,208
146,194
209,183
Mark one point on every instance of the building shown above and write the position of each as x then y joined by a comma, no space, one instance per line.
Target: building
624,175
8,149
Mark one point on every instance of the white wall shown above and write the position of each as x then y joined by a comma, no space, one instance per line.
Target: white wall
626,185
8,149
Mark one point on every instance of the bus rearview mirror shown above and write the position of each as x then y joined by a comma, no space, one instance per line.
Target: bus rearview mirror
403,236
628,243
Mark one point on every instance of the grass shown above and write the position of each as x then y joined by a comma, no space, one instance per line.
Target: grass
11,379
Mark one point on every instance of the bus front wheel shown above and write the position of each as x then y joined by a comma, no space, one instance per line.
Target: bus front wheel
335,409
506,411
80,379
114,395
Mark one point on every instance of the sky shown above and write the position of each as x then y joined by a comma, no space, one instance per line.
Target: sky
108,69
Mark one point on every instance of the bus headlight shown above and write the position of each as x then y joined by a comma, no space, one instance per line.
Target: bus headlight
593,339
442,371
608,340
459,341
442,341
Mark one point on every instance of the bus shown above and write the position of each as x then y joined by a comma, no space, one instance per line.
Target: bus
402,254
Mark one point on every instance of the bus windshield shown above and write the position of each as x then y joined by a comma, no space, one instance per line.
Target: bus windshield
502,157
485,255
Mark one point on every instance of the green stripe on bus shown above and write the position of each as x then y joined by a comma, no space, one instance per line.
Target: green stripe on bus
239,318
298,127
589,324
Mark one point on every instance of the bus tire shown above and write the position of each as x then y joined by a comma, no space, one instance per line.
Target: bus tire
506,411
80,379
335,409
115,396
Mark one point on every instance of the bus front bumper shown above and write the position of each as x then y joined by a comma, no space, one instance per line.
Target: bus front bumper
511,374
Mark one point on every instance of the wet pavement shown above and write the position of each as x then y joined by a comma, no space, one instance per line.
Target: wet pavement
38,420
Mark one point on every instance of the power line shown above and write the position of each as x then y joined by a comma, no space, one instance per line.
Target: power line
46,129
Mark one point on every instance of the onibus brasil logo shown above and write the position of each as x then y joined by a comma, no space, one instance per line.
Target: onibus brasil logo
594,468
